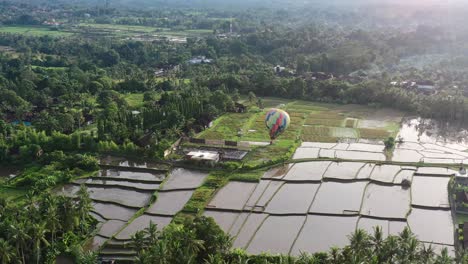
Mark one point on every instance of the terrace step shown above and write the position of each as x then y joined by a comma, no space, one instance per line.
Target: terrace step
114,244
119,259
118,252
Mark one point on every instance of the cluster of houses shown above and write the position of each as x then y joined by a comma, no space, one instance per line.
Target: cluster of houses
51,22
425,86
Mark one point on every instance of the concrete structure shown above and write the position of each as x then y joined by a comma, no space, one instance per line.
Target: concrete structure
203,157
199,60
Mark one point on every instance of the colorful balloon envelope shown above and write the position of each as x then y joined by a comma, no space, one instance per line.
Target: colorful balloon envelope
277,121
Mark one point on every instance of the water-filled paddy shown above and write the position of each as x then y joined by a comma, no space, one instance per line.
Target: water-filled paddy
141,223
120,196
327,153
135,185
180,178
245,234
403,175
224,219
276,234
385,173
320,233
388,227
112,211
359,155
386,201
430,191
140,176
343,170
435,171
263,193
110,227
124,162
406,155
292,199
366,147
170,203
318,145
233,196
365,171
306,153
307,171
432,225
338,198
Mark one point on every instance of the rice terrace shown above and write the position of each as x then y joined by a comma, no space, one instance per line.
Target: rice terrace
233,132
336,175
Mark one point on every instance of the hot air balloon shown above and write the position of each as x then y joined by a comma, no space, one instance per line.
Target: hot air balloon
276,121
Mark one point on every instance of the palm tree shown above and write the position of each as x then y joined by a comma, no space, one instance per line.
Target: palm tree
84,206
20,235
53,221
443,258
377,241
6,252
152,233
39,232
359,245
138,241
427,253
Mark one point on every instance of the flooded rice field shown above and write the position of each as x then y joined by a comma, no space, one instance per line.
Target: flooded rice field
423,140
386,201
111,227
170,203
247,230
132,175
270,238
292,199
112,211
439,229
385,173
119,194
129,184
430,191
388,227
141,223
320,233
343,170
124,162
233,196
312,206
338,198
307,171
184,179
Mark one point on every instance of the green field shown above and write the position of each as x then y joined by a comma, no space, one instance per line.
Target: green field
134,100
33,31
310,121
104,30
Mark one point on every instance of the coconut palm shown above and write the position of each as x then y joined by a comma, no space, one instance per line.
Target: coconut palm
6,252
39,232
152,233
20,235
443,258
426,254
84,206
359,245
138,241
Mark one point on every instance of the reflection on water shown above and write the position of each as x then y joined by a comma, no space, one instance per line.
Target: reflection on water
431,131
